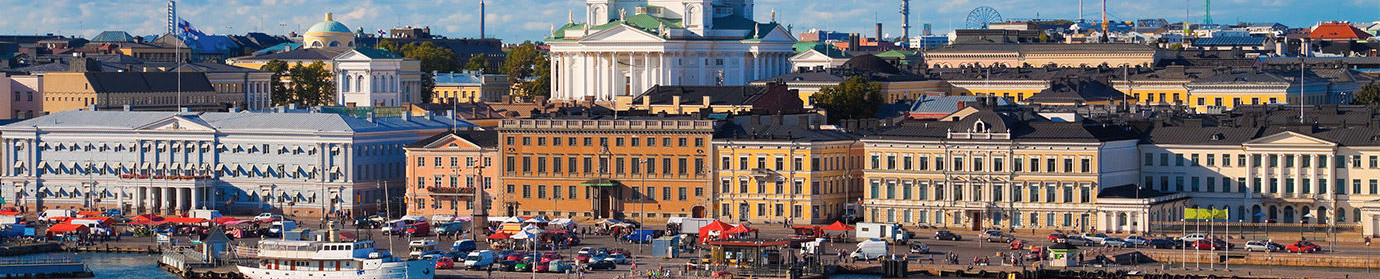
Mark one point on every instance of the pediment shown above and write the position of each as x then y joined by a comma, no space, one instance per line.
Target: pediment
177,123
1289,138
810,55
621,33
453,142
779,34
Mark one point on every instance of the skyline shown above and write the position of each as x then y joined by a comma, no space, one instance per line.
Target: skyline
510,20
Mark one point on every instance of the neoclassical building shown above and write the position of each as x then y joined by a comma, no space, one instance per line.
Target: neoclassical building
299,164
628,46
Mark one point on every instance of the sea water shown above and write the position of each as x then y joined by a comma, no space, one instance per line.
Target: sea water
104,265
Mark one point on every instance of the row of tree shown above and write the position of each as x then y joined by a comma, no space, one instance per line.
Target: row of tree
526,66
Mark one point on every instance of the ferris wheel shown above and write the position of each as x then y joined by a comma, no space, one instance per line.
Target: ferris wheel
981,16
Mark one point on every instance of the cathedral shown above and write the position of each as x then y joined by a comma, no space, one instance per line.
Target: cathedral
627,46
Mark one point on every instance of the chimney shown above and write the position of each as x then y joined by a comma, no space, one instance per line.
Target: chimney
803,121
128,108
369,116
756,120
853,42
406,116
777,120
428,115
675,101
182,109
450,114
705,101
879,34
92,107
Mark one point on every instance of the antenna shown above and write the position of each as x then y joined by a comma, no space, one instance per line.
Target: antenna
1080,11
1207,12
1105,37
905,20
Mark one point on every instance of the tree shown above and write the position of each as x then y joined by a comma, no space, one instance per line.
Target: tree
433,58
311,85
390,46
278,92
1368,95
854,98
529,69
477,63
1176,46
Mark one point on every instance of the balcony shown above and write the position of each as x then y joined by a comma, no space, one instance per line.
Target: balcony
166,177
456,191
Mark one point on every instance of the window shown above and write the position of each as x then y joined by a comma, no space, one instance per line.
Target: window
1085,165
1193,161
1178,160
1193,183
998,164
1226,160
1149,159
958,164
1049,165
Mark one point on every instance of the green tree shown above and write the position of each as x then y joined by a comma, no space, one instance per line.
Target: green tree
854,98
1368,95
529,69
278,92
433,58
390,46
1176,46
311,85
479,63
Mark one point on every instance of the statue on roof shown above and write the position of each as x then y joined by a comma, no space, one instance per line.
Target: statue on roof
622,14
773,15
571,17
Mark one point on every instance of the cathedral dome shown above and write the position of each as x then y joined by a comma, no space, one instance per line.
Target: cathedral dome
329,34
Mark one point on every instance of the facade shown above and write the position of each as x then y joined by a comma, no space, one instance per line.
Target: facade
139,90
235,86
24,96
329,34
897,85
468,87
1062,55
376,78
299,164
594,168
986,168
1231,88
773,98
436,166
770,170
629,46
812,55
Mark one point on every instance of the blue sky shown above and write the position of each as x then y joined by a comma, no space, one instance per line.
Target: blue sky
518,20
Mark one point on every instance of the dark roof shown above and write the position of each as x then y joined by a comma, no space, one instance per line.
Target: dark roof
113,36
1130,191
301,54
694,95
1343,125
878,69
768,130
1077,90
208,67
138,82
482,138
1022,124
948,104
1230,41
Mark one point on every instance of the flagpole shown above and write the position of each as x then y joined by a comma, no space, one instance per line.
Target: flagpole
1183,249
1197,229
1228,261
1212,244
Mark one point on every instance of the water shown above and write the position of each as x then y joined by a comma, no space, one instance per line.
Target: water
104,265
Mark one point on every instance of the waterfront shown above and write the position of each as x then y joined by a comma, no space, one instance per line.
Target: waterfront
105,265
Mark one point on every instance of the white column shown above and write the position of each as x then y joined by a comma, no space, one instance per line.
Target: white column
700,62
646,75
589,78
196,198
1299,176
555,75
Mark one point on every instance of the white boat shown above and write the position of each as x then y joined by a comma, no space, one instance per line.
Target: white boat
297,259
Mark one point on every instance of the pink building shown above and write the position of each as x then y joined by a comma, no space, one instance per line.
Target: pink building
22,97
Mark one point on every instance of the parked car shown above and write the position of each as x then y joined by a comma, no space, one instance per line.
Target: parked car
1094,237
1204,244
1077,241
516,256
1164,243
523,266
996,236
947,235
505,265
1114,242
583,255
615,258
451,228
559,266
445,263
919,247
421,228
601,265
1263,245
268,216
551,256
1057,237
1193,237
463,246
479,259
1136,240
1303,247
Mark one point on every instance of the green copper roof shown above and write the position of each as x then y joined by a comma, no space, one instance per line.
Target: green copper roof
899,53
827,49
329,27
377,53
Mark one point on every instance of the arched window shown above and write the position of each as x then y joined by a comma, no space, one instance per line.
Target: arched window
981,127
335,43
316,43
345,84
358,80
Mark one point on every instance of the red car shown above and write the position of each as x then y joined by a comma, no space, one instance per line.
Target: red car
1303,247
445,263
516,256
548,256
1057,237
1204,244
418,229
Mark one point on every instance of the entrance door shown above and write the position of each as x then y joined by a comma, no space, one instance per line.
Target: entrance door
742,212
697,212
975,219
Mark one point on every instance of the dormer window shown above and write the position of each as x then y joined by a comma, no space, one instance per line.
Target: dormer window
981,127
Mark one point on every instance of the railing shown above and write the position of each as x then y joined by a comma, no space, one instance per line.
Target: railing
38,261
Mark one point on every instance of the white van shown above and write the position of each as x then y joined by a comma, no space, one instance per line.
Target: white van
479,259
893,233
810,248
418,247
870,249
53,213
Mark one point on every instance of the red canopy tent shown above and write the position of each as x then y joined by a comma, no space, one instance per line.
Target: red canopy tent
500,236
716,226
837,226
90,213
741,228
68,228
223,220
146,218
185,220
103,220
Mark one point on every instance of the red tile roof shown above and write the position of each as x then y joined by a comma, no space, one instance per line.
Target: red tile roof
1337,31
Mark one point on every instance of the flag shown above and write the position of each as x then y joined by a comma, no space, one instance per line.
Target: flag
1204,214
1220,214
188,32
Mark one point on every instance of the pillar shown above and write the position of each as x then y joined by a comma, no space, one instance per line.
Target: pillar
196,197
1298,174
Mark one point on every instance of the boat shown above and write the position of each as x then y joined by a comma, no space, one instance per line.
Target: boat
332,258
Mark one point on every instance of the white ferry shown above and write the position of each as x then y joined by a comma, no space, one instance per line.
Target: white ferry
300,259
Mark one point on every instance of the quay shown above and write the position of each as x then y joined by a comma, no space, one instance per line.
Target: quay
43,268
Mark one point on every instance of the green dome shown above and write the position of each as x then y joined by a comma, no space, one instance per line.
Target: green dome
328,27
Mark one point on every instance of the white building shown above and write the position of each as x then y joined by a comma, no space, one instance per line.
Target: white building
628,46
375,77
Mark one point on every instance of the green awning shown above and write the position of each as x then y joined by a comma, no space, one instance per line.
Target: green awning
600,182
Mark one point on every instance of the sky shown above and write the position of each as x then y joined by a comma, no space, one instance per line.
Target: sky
520,20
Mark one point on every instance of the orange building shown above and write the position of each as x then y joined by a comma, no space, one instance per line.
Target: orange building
593,168
443,172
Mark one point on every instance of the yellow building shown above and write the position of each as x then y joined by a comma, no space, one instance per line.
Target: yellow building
897,85
468,87
770,170
984,167
769,98
140,90
1234,87
1061,55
